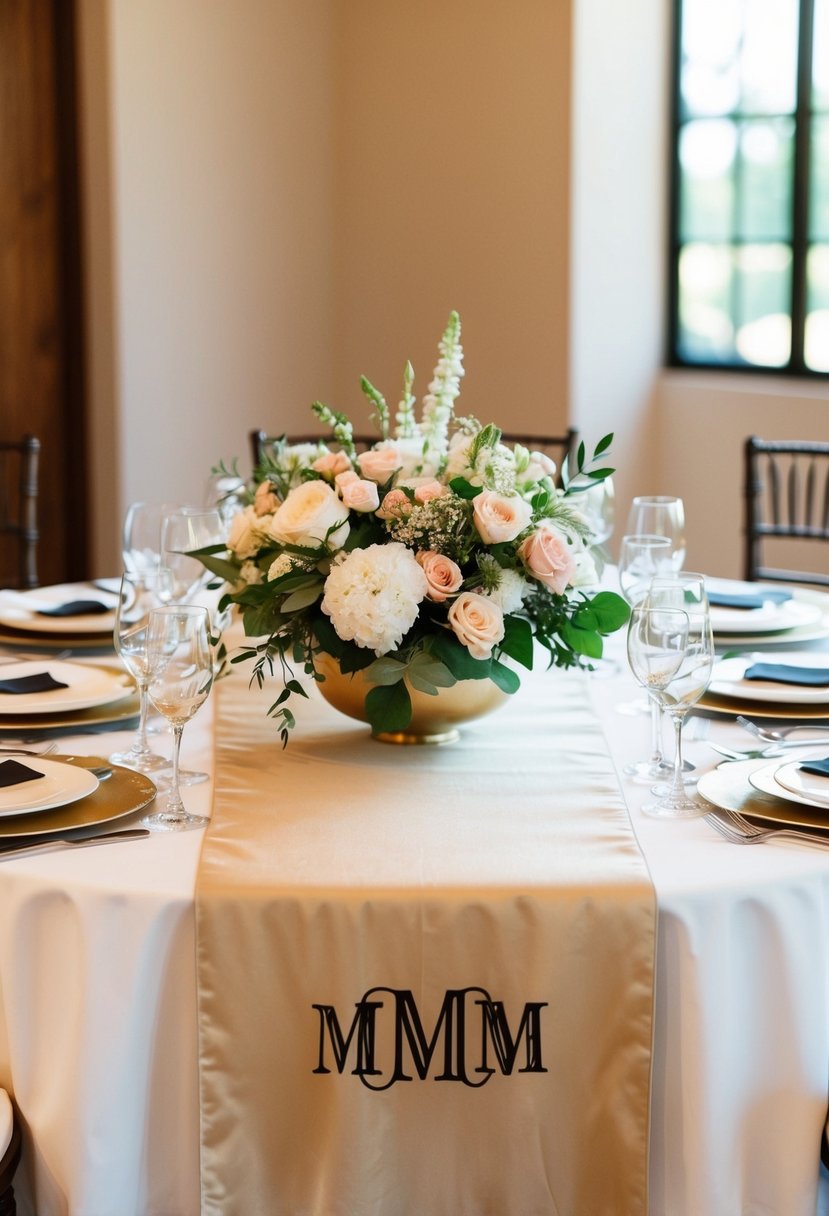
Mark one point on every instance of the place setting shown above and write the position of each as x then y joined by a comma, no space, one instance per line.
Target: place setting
78,615
771,792
790,687
756,614
42,694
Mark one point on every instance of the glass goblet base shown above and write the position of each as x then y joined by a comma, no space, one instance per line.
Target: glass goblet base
142,762
173,819
674,804
645,772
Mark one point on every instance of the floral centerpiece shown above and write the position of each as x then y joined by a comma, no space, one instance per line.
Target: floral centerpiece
430,558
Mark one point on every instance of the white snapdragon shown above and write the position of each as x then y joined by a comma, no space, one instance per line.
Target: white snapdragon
439,401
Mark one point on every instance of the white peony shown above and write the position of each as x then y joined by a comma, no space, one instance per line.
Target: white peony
372,595
307,514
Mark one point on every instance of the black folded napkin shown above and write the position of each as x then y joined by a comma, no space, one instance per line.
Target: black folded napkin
785,673
75,608
747,599
12,772
819,767
41,681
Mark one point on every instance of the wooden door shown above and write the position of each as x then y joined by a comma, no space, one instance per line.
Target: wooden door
41,367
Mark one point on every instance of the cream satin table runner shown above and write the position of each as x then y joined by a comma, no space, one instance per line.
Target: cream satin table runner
425,975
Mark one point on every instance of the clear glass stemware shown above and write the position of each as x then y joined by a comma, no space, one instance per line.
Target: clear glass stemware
180,664
182,532
660,515
139,594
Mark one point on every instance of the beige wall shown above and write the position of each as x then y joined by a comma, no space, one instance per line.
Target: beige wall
281,196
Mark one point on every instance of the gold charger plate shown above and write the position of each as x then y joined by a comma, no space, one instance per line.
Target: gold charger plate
710,703
728,787
124,793
56,641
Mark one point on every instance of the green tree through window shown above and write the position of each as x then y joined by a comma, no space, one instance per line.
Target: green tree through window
750,198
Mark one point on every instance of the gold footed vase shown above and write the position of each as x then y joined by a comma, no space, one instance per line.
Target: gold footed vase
435,719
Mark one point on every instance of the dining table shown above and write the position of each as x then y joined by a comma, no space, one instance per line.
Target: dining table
119,1040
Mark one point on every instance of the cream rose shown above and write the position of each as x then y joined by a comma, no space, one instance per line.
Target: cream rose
265,501
499,518
244,540
331,464
378,464
360,495
549,558
478,623
307,514
442,574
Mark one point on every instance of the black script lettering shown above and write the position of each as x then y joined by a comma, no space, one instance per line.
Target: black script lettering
363,1023
495,1027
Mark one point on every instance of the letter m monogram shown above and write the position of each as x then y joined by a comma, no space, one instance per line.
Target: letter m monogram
496,1028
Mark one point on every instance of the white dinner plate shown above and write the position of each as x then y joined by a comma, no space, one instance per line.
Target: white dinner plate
814,627
730,786
60,785
19,609
727,679
765,780
771,618
86,687
810,786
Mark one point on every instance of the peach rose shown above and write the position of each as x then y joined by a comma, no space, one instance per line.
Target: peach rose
442,574
243,539
432,489
478,623
549,558
307,514
342,479
265,501
395,505
360,495
378,464
499,518
331,464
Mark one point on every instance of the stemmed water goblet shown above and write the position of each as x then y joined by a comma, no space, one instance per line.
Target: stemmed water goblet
683,591
139,594
183,531
180,666
660,515
141,535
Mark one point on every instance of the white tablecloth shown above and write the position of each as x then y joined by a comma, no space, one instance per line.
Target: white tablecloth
98,1010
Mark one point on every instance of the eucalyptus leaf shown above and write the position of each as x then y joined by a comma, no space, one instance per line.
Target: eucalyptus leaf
302,598
426,667
385,671
506,679
389,708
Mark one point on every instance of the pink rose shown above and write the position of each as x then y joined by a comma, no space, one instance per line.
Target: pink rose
265,501
342,479
360,495
331,464
549,558
478,623
378,464
442,574
396,504
499,518
432,489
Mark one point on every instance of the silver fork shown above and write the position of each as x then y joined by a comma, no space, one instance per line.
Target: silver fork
29,751
738,830
770,735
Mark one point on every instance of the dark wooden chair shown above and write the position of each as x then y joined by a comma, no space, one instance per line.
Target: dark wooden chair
261,441
786,488
10,1145
558,447
18,512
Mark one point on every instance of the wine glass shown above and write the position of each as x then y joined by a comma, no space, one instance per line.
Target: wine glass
657,646
141,535
180,665
640,559
598,506
182,531
140,593
683,591
660,515
223,494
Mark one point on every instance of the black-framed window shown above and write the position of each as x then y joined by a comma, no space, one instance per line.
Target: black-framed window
749,258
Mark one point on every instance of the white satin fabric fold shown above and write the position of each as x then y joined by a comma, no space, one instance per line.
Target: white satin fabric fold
344,881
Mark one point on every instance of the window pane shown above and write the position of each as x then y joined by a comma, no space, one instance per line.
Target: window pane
817,316
819,187
765,190
763,285
820,57
769,57
707,151
710,75
706,329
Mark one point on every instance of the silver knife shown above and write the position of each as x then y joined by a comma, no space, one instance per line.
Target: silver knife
46,846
